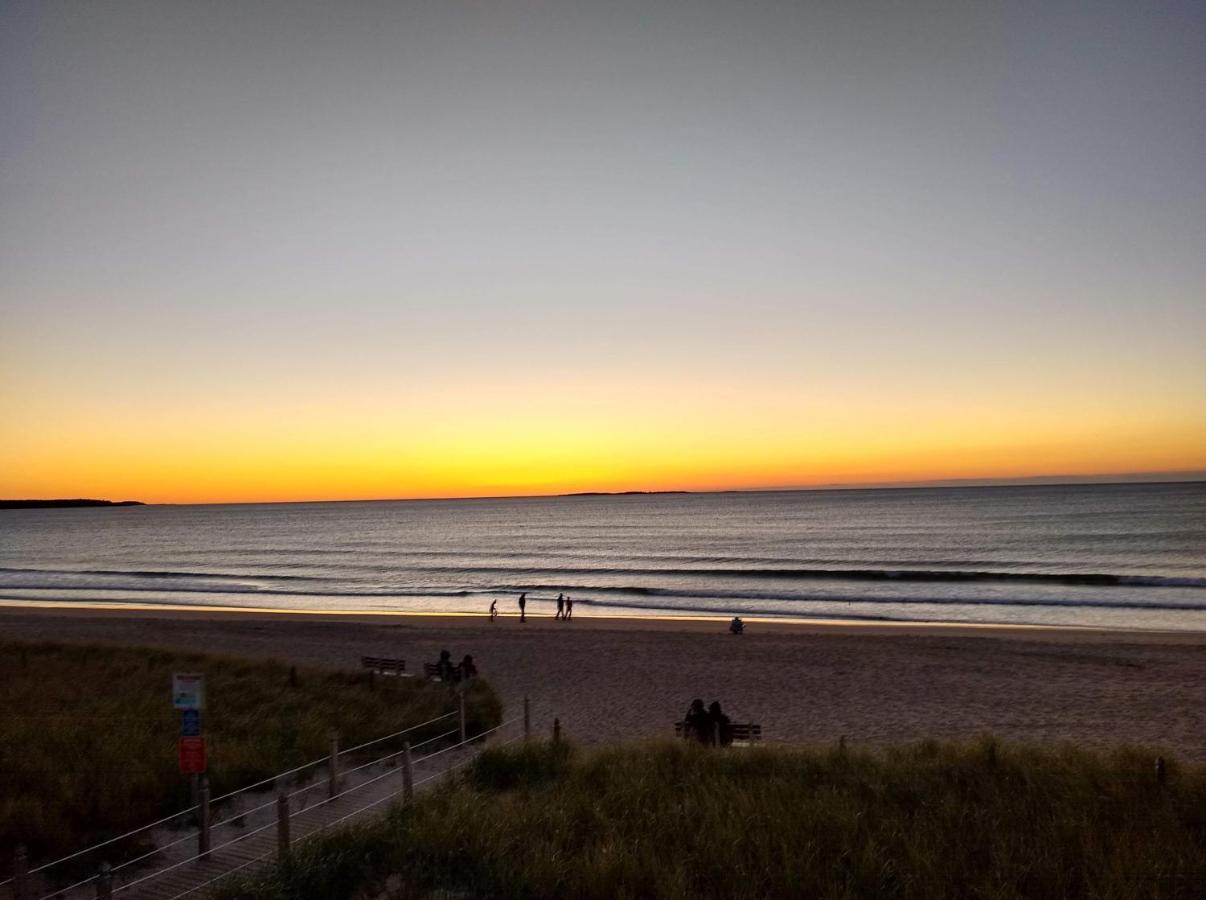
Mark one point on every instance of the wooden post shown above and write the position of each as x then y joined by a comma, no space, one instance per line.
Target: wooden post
333,769
408,775
460,709
1161,770
20,872
203,818
194,786
104,883
527,718
282,826
556,730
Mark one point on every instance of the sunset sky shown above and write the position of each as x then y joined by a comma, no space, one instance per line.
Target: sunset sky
262,251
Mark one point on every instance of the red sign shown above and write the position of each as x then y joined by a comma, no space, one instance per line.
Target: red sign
192,755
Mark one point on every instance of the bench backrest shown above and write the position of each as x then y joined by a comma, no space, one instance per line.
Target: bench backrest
741,732
432,670
383,663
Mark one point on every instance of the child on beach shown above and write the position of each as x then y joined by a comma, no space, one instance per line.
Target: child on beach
569,608
493,610
523,605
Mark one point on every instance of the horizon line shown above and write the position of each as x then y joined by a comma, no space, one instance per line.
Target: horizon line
1180,476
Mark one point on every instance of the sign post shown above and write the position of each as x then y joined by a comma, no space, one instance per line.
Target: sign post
188,696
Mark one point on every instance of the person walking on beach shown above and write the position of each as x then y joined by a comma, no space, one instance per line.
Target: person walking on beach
560,606
569,608
523,605
493,610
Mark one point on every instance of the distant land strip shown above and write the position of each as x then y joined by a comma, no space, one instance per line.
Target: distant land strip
63,504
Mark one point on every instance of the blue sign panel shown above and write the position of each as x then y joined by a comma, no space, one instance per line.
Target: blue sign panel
190,723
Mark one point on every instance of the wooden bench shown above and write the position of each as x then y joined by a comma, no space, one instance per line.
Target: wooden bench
432,672
743,733
384,665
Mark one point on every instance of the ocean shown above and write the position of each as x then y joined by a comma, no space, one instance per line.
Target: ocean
1117,556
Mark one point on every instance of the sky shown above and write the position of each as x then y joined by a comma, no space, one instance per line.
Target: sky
296,250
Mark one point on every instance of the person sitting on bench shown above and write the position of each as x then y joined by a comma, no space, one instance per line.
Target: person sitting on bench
446,669
468,669
722,733
696,723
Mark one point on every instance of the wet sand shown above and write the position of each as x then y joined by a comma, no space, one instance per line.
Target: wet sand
627,678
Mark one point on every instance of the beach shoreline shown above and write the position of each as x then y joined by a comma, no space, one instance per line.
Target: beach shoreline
610,679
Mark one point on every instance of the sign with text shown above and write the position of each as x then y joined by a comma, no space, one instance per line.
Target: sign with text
190,723
192,755
188,690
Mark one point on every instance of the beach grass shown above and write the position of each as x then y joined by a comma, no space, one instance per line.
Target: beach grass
88,735
980,819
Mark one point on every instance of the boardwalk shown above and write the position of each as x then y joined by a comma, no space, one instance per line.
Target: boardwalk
245,830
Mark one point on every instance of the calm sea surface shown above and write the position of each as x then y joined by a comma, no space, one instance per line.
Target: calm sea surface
1126,556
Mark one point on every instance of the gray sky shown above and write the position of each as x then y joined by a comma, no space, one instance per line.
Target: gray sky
227,203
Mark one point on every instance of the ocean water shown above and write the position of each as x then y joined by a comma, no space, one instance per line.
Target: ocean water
1122,556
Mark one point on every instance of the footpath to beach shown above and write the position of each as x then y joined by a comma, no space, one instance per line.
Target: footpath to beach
249,828
610,679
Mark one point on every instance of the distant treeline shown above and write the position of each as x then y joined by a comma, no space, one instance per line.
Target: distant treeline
58,504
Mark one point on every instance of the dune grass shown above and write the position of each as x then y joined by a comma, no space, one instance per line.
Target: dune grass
671,820
88,736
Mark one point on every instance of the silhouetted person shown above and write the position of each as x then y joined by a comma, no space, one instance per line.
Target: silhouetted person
523,605
445,667
697,725
737,626
493,610
560,606
469,670
722,732
569,607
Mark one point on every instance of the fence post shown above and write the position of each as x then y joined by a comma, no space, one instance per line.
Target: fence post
408,775
203,817
282,826
104,883
527,718
460,708
20,871
556,730
333,770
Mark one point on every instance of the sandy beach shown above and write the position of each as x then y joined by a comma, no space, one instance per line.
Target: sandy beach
630,678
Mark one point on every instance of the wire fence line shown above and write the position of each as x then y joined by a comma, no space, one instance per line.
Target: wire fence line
292,814
191,811
363,809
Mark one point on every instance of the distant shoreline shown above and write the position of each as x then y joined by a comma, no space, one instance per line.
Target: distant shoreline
955,485
65,504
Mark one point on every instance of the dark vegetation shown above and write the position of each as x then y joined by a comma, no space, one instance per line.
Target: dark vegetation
88,735
64,504
672,820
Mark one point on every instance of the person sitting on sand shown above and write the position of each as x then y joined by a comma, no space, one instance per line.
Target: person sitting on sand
722,732
468,669
737,626
696,723
445,668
